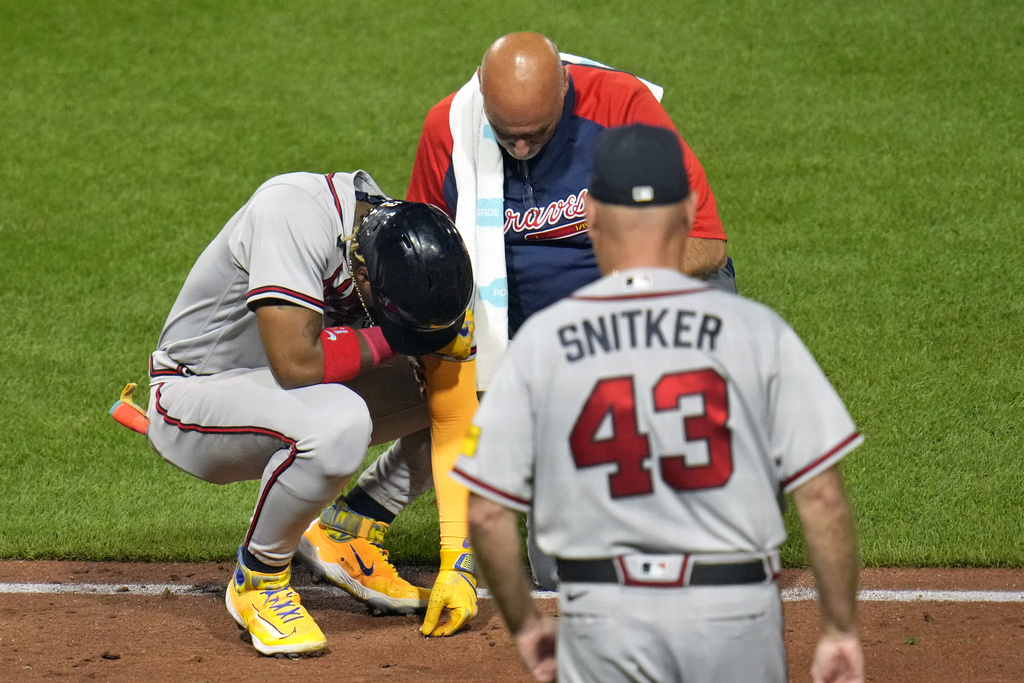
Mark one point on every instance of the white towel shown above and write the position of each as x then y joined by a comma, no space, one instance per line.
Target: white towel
480,216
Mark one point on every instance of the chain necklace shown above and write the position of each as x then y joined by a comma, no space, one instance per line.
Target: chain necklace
355,286
374,202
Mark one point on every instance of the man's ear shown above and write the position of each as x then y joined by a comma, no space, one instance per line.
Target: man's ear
362,275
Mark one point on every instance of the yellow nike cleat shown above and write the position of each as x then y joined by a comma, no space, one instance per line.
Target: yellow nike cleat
359,565
266,605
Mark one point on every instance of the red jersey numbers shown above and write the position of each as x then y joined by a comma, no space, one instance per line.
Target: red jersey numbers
624,446
622,443
709,426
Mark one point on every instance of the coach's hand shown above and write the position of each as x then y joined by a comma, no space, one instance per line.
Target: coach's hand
838,659
454,591
537,644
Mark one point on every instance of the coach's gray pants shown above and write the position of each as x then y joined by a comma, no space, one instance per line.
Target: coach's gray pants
613,633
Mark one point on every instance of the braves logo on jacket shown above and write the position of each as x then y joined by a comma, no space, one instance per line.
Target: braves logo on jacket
549,223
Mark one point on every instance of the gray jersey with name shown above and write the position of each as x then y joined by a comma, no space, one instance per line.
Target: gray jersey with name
648,413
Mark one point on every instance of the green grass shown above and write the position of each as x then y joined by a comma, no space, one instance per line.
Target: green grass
865,157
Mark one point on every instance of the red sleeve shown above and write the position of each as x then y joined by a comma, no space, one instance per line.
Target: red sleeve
615,98
433,158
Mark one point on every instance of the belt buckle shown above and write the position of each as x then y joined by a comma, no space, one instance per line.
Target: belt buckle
652,570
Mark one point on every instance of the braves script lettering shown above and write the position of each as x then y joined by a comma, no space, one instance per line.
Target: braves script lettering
557,212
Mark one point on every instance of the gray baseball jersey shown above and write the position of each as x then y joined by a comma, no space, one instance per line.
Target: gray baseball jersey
285,243
216,410
648,416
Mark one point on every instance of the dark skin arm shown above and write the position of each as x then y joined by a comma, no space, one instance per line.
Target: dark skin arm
291,334
291,339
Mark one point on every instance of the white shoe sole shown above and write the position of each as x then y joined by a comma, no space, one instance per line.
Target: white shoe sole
334,574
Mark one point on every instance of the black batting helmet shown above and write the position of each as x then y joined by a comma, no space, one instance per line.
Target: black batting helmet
420,275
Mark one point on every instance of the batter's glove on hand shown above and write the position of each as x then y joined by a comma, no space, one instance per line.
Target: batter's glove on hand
454,590
463,347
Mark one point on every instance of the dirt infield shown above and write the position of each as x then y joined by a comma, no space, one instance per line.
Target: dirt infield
171,637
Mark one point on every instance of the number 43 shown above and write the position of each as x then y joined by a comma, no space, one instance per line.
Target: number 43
627,448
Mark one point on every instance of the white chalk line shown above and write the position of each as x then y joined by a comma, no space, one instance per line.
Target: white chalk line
890,595
788,594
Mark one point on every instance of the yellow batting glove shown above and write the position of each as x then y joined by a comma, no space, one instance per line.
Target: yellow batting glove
454,590
463,347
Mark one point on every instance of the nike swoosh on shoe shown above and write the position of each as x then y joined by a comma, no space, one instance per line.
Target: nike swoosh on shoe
271,626
366,570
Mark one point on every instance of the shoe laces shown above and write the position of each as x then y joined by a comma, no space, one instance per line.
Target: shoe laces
384,553
284,603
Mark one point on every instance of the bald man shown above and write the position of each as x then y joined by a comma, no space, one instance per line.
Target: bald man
545,113
524,84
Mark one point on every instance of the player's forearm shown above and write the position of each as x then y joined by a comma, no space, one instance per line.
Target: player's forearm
291,340
703,256
831,548
451,397
302,353
495,537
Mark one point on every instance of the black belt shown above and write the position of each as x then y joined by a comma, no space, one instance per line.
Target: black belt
702,573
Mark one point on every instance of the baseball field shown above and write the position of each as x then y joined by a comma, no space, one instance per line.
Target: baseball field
866,157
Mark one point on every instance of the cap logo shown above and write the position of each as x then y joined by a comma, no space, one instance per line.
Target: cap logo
643,193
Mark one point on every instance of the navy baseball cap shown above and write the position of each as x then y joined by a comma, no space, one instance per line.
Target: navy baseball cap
638,165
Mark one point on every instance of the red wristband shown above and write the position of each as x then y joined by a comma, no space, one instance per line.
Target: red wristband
342,356
379,347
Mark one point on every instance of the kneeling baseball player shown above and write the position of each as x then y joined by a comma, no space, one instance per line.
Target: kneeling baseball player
286,355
